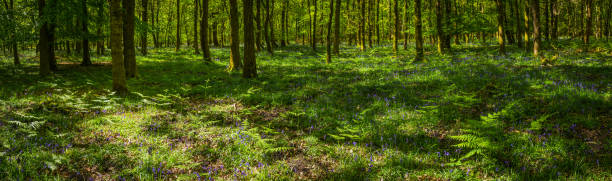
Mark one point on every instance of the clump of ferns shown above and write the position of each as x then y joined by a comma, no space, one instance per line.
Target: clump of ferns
250,135
486,138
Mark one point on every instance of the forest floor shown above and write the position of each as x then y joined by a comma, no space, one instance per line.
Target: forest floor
467,115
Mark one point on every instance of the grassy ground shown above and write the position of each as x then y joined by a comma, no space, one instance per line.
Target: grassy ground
468,115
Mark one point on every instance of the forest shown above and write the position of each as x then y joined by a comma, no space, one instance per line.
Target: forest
305,90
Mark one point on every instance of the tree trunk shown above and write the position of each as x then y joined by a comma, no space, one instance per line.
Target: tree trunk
589,24
500,26
519,28
283,24
85,34
314,28
272,37
337,27
362,26
250,64
178,25
378,22
526,23
267,28
439,30
397,26
45,43
234,37
116,23
215,34
418,31
129,51
258,44
196,15
535,13
204,32
143,35
329,27
13,41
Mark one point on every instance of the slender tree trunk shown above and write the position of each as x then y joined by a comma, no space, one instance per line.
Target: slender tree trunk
234,37
526,23
272,36
418,31
204,32
362,26
546,21
589,24
439,25
283,23
129,51
535,13
119,82
258,44
337,27
329,31
196,16
405,25
45,43
13,41
314,27
250,63
85,34
500,26
397,25
267,28
215,34
178,25
378,22
517,19
143,35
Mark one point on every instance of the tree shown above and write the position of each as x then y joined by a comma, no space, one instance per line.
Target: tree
178,25
13,41
329,27
204,32
234,37
85,34
196,10
250,64
119,82
439,25
129,51
143,35
337,27
535,13
397,25
46,42
418,31
589,24
267,28
500,25
314,28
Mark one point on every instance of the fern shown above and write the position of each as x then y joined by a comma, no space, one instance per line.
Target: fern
485,137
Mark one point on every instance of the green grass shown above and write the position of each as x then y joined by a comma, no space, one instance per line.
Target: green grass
467,115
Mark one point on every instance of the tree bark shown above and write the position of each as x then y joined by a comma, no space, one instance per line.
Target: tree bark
337,27
314,28
129,51
329,27
196,15
418,31
500,26
45,43
234,37
119,82
589,24
143,35
535,13
204,32
85,34
178,25
258,44
397,26
250,64
267,28
11,8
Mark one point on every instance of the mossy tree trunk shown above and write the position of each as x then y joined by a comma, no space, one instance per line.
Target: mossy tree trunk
116,27
250,64
234,37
